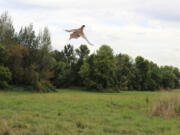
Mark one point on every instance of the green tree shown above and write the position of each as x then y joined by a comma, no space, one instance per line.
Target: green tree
69,54
17,53
154,77
5,74
98,70
169,77
64,70
124,72
58,55
45,58
28,38
45,61
141,73
82,52
62,75
177,79
88,73
7,32
3,55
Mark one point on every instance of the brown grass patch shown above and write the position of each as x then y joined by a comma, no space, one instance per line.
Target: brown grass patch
5,129
175,90
17,129
167,106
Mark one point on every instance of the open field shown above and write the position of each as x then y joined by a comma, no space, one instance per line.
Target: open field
74,112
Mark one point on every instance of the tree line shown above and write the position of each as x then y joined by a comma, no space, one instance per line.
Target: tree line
27,59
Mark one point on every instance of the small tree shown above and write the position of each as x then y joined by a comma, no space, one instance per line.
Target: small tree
5,74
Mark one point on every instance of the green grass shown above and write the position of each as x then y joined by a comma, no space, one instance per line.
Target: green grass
74,112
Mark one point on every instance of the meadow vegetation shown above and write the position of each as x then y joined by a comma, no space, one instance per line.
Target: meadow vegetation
75,112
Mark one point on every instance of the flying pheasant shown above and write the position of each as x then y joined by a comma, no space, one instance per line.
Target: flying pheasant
76,33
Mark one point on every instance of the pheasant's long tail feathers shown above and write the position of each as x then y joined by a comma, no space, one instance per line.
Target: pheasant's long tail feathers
83,36
67,30
72,30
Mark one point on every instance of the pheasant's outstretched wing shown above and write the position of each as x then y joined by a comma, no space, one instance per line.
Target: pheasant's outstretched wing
83,36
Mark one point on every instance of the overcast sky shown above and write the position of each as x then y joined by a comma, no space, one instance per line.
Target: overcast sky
149,28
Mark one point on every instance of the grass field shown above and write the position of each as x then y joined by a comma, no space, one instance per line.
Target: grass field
75,112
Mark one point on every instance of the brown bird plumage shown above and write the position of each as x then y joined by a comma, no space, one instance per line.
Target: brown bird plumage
76,33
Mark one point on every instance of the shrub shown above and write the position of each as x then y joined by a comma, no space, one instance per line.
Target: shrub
44,86
5,76
167,106
47,86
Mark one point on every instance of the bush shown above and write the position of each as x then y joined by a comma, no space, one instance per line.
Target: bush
5,76
47,86
44,86
167,106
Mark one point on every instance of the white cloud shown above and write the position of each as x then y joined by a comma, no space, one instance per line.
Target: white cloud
136,27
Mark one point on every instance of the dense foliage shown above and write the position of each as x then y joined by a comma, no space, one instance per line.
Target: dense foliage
26,58
5,74
98,70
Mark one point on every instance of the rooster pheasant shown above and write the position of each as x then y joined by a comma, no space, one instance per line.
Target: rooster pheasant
76,33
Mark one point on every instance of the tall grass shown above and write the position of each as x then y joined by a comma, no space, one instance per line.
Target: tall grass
167,106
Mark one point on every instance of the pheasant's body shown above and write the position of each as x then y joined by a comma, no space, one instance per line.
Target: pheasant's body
74,35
